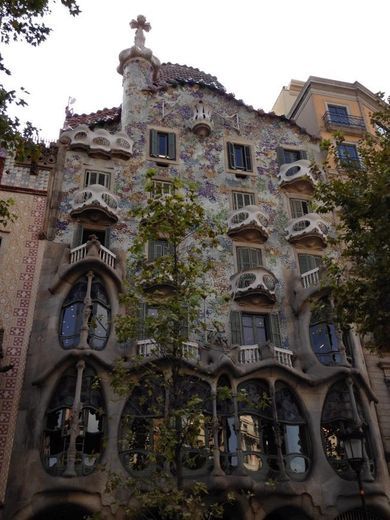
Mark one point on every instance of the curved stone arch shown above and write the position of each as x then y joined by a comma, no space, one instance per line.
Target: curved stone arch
67,411
66,283
342,410
42,504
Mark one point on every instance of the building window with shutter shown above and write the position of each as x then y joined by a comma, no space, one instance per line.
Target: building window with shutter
287,155
299,207
239,157
242,199
248,258
162,145
254,329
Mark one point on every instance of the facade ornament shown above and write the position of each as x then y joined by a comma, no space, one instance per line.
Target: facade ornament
141,25
139,50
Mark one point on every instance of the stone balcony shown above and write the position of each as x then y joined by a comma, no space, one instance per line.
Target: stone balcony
99,142
95,203
255,286
82,252
251,354
148,349
297,176
311,278
249,224
309,230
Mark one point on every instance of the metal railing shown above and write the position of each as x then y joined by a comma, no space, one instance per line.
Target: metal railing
311,278
346,120
80,252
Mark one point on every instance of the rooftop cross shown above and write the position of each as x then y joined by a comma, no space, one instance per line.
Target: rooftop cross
141,25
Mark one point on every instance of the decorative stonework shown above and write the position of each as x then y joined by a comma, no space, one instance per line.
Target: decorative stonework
98,142
94,202
139,50
310,230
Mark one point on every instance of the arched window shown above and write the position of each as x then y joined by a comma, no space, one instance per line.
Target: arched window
73,436
292,431
140,425
338,417
86,306
257,436
323,337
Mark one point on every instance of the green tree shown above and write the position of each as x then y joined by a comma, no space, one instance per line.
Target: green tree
21,20
171,284
359,270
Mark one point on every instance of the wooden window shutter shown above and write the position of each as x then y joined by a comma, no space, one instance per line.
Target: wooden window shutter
151,250
172,146
78,235
154,143
304,263
231,157
185,329
235,328
256,259
303,154
107,237
275,336
280,155
248,158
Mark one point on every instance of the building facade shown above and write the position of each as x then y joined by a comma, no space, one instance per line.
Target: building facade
253,174
325,106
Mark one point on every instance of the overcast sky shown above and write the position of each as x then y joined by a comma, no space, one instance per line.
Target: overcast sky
254,47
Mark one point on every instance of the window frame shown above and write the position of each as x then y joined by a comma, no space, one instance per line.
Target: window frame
106,175
243,194
338,120
162,182
272,328
303,253
283,149
248,157
238,260
152,244
345,161
171,155
298,201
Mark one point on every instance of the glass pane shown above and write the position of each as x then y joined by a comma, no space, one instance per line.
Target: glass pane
239,156
291,156
71,324
162,144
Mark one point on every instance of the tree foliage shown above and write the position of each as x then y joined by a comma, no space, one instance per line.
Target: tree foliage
21,20
174,284
359,193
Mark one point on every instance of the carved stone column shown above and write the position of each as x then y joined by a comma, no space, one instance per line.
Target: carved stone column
70,470
84,331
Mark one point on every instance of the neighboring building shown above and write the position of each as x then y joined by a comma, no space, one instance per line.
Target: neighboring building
21,254
253,171
324,106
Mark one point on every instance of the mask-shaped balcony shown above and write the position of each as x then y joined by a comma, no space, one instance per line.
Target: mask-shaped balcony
309,230
95,203
248,223
255,286
297,176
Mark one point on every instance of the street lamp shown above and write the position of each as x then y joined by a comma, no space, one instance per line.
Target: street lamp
353,440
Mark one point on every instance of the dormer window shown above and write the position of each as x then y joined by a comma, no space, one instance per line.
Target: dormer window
163,145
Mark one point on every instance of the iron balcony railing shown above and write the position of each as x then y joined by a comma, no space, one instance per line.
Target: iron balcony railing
343,120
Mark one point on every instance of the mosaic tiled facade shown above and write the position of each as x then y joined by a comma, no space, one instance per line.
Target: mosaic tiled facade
253,175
